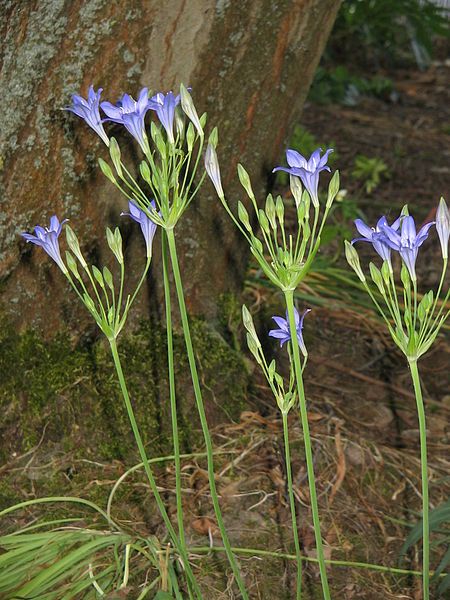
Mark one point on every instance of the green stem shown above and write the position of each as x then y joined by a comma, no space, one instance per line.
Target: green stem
424,472
180,549
289,297
172,394
201,412
335,563
292,504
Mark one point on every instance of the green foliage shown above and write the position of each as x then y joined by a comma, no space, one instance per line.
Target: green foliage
369,171
440,525
338,85
387,30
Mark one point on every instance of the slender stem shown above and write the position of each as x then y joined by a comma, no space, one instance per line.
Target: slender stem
180,549
424,472
201,412
172,393
289,297
287,453
335,563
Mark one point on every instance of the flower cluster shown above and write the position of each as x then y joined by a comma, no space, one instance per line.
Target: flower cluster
128,112
402,236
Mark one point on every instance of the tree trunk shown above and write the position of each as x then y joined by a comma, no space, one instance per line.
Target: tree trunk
250,64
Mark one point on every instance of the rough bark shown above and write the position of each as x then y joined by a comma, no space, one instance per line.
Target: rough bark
250,64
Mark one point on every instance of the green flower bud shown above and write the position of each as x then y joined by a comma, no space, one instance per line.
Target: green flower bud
74,245
190,137
145,172
279,209
107,276
214,137
114,152
243,216
72,264
115,243
333,188
106,170
353,260
377,278
98,276
270,211
245,181
263,221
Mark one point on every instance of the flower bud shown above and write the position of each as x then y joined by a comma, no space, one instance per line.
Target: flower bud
74,245
296,188
443,226
243,216
279,209
333,188
245,181
213,169
114,152
270,211
353,260
106,170
188,107
71,263
377,278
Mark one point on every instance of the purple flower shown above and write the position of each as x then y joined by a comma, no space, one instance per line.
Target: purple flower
407,243
164,105
148,228
443,226
47,238
376,236
130,113
89,111
284,334
307,170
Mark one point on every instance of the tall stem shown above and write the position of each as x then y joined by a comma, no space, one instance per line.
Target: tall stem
172,394
287,453
289,297
201,412
137,436
424,473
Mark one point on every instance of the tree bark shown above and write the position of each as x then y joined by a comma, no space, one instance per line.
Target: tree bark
250,64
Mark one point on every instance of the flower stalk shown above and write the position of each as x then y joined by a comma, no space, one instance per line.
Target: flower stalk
140,444
201,412
424,476
289,299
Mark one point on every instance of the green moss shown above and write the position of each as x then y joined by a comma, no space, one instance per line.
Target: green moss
71,391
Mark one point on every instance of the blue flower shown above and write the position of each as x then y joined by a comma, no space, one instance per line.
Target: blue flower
148,228
89,111
130,113
376,236
407,243
284,334
307,170
47,238
164,105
